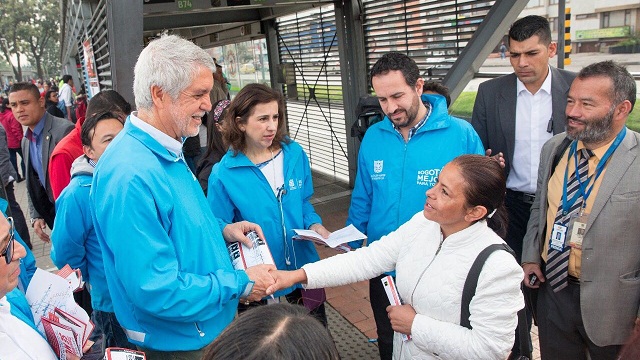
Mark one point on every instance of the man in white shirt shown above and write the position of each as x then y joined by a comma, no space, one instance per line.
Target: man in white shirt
517,113
66,94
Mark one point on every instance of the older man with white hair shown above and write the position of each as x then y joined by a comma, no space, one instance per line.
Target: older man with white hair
168,270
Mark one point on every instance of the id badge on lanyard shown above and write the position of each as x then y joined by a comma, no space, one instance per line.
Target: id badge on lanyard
577,227
571,235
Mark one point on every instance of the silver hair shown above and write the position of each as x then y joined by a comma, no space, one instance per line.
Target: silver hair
170,63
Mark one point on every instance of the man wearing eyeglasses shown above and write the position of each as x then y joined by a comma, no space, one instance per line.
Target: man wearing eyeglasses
19,337
18,334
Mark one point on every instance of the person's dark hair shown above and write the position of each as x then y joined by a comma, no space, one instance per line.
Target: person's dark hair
437,87
241,108
25,86
274,332
397,61
87,131
47,95
5,104
66,78
108,101
215,146
624,86
485,186
529,26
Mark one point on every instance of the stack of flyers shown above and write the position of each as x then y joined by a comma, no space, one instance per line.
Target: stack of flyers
74,277
57,316
65,333
394,298
243,257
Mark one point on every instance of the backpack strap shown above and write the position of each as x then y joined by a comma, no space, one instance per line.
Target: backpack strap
470,284
469,291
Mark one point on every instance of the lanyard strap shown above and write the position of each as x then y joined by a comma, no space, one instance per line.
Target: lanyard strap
568,203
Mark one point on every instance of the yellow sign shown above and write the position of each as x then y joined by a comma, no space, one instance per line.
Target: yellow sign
621,31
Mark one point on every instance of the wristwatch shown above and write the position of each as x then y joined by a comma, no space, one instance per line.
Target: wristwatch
33,220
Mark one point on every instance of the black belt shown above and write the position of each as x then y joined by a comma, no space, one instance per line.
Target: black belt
527,198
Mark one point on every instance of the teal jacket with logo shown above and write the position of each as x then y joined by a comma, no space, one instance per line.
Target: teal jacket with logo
393,175
239,191
167,267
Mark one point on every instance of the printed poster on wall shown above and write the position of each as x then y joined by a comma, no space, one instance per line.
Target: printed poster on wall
90,66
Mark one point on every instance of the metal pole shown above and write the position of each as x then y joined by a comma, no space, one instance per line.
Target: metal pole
560,52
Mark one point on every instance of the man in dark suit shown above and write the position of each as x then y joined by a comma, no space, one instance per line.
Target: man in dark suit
43,133
515,114
588,279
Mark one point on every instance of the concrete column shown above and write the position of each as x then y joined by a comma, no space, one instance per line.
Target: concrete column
124,22
353,69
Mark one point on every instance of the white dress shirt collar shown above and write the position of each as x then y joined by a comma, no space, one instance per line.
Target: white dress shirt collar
171,144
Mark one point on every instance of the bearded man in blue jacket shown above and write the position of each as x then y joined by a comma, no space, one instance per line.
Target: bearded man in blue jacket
167,267
400,159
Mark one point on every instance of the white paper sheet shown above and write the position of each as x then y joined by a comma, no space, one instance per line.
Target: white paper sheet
48,291
338,237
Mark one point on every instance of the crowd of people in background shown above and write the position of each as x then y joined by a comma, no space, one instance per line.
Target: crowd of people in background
145,202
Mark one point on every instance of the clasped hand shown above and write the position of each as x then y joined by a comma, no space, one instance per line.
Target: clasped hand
268,280
401,318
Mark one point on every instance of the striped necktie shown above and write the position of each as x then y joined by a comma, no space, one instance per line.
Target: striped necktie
557,270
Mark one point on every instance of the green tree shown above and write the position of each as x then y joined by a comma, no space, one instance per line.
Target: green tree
15,16
41,36
30,28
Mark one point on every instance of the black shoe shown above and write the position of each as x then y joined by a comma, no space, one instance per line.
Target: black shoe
20,179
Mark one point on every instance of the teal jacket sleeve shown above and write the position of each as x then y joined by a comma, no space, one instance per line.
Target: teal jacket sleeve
71,229
475,144
361,198
219,200
137,233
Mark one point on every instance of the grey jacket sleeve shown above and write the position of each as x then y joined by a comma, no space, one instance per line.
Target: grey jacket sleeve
6,169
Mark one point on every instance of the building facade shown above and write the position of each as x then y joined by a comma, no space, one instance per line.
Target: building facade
596,25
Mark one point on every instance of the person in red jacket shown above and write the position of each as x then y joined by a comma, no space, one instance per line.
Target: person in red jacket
70,147
14,136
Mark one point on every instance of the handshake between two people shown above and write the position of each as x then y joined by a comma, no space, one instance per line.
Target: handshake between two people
268,280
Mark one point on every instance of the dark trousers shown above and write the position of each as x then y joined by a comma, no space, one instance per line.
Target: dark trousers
379,303
108,328
14,161
83,298
561,330
519,211
18,216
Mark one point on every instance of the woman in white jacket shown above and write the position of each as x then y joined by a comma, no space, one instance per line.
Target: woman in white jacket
432,254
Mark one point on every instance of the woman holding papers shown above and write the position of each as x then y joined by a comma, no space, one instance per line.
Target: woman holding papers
432,254
265,178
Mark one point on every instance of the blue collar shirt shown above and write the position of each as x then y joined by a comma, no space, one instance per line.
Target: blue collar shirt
35,150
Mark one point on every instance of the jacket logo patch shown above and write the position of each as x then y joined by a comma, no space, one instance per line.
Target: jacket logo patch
428,177
292,184
377,166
